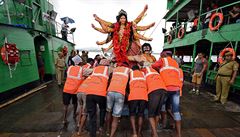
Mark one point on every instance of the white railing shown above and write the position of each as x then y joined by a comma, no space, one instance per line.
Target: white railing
58,27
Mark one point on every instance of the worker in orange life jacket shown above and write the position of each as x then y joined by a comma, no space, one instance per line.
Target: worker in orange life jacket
95,87
87,70
168,106
169,70
116,96
74,79
156,94
137,98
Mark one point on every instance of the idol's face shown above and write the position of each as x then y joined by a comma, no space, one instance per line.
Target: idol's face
123,19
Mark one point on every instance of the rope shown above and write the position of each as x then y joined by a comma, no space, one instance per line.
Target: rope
230,42
155,27
12,68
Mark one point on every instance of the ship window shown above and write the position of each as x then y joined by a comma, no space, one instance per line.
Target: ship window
1,2
25,58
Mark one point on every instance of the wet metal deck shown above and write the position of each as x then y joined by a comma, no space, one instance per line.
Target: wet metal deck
40,115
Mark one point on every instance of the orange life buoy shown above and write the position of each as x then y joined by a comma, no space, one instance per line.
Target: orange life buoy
222,53
213,28
169,39
181,33
10,54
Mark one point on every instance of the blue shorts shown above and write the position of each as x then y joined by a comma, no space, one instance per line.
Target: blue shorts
174,98
115,102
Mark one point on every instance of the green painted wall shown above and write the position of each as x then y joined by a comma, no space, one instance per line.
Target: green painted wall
27,70
20,14
53,47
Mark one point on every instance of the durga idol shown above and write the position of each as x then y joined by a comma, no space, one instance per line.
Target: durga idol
123,35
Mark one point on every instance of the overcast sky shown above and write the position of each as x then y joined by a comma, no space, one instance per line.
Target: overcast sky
82,12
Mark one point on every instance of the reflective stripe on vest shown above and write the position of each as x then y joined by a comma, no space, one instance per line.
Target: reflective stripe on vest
125,73
79,76
181,75
149,72
87,66
104,74
136,78
167,67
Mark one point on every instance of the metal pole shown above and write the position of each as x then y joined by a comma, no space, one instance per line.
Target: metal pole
209,61
73,37
210,55
236,46
165,25
194,54
200,12
176,32
174,52
8,15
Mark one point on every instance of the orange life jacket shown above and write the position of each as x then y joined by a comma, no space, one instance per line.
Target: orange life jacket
87,66
119,80
154,80
74,79
170,72
138,86
96,84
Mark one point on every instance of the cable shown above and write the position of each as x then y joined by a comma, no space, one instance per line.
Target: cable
156,27
230,42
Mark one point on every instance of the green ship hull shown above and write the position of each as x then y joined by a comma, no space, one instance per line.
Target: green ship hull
29,36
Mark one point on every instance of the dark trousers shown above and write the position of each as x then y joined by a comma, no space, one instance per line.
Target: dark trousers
92,101
64,35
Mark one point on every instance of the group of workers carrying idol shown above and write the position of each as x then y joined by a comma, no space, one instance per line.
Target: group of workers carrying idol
105,89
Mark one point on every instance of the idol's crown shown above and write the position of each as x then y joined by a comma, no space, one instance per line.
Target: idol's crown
122,12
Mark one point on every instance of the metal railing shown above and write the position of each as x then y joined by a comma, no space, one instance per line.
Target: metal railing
58,28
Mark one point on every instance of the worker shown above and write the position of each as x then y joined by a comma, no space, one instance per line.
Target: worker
156,95
74,79
199,68
138,98
116,96
87,70
95,88
225,77
169,70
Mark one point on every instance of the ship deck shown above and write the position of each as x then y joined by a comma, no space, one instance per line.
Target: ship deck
40,115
